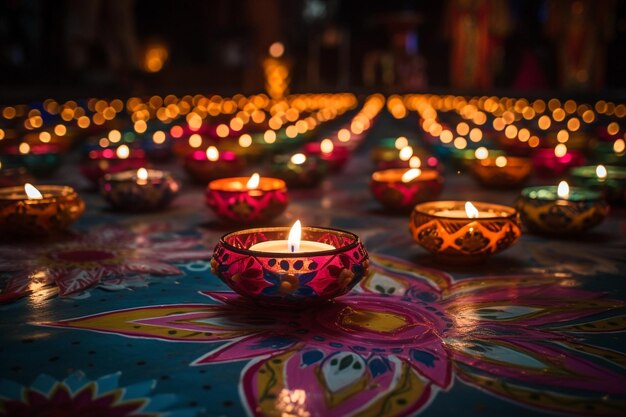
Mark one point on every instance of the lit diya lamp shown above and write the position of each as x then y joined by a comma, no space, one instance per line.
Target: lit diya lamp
100,162
299,170
31,211
293,267
335,154
387,149
141,190
39,159
556,162
561,210
610,153
464,232
205,166
502,171
248,200
608,180
465,158
401,189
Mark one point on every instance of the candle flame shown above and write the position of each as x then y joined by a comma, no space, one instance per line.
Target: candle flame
563,190
406,153
298,159
401,142
32,192
501,161
471,210
253,182
411,174
122,152
142,174
212,154
327,146
481,153
601,172
560,150
293,242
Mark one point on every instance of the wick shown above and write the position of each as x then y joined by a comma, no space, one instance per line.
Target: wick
293,248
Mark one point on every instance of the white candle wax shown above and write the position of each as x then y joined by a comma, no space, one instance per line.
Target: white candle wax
461,214
282,246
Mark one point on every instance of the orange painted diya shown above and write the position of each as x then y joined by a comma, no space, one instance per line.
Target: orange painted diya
401,189
462,232
45,210
502,171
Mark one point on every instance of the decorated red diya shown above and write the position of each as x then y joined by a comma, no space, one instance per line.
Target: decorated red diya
30,211
401,189
107,161
247,200
299,170
141,190
463,232
273,266
502,171
335,154
205,166
555,162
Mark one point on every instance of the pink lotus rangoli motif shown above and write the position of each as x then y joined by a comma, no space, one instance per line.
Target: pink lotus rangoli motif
400,338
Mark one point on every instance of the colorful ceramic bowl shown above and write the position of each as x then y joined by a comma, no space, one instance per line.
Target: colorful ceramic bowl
492,172
125,191
389,189
612,186
542,211
296,279
231,200
442,228
23,216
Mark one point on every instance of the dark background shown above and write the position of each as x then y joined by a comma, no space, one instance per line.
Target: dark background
219,46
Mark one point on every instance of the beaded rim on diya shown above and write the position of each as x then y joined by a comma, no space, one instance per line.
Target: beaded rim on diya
290,279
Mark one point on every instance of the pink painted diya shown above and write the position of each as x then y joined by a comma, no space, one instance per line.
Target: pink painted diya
205,166
335,155
30,211
247,200
401,189
260,265
141,190
107,161
556,162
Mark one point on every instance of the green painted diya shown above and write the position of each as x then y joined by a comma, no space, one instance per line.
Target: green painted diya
546,210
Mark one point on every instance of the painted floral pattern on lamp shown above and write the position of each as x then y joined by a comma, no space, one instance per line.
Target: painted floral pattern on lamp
92,259
404,335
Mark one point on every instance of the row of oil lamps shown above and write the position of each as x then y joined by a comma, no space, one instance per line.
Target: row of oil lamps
323,263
